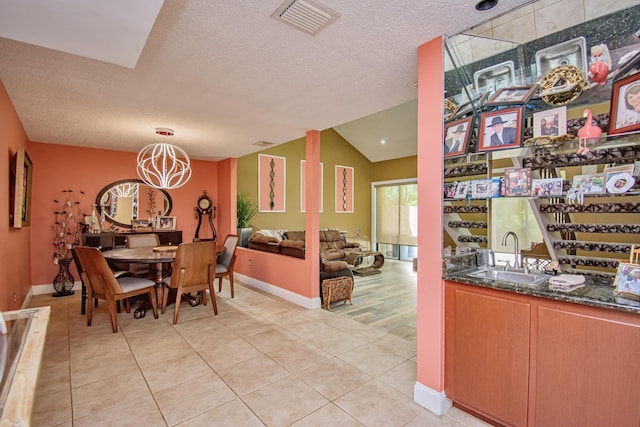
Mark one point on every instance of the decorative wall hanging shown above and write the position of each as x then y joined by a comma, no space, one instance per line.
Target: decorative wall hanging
21,212
500,129
562,84
271,183
303,185
625,105
344,189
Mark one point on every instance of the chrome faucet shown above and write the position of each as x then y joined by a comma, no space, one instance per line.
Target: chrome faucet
516,251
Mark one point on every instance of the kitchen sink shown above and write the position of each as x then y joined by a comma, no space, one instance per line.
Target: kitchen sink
571,52
517,277
495,77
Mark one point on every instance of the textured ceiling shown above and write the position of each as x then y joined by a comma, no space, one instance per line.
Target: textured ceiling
222,74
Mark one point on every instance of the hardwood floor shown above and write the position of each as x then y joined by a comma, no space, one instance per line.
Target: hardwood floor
386,301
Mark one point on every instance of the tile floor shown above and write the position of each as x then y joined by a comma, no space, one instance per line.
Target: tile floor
261,361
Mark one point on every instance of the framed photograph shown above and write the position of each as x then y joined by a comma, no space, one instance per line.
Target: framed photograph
517,182
166,223
450,189
513,95
547,187
457,136
496,184
550,122
22,190
481,188
619,182
627,281
462,190
590,184
622,168
500,129
139,224
624,115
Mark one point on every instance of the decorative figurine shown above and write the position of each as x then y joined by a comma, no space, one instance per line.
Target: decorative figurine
588,132
600,64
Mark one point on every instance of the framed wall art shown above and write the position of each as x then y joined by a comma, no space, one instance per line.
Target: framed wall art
303,185
627,281
272,173
166,223
547,187
500,129
624,115
457,136
22,189
344,189
512,95
551,122
517,181
590,184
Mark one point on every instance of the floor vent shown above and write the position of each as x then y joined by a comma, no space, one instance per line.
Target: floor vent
305,15
263,144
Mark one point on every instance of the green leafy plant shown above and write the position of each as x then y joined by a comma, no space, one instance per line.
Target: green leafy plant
246,210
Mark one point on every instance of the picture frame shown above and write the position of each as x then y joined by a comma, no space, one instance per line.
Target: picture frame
450,189
513,95
465,108
139,224
506,123
547,187
590,184
619,182
462,190
517,182
624,114
166,223
627,281
481,188
457,136
22,185
551,122
495,190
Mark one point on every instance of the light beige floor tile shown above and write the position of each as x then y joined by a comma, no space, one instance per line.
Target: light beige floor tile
284,402
131,325
202,333
52,409
234,413
229,353
153,347
143,411
84,371
463,418
242,377
175,371
193,398
335,342
429,419
309,329
53,380
392,408
249,325
328,415
298,356
397,345
92,345
107,393
286,317
333,377
371,359
272,339
402,377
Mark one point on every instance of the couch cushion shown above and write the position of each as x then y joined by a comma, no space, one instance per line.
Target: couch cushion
295,235
333,266
296,244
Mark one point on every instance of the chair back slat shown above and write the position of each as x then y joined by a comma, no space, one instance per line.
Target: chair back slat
230,244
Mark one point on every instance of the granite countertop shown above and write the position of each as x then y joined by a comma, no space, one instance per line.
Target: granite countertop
597,292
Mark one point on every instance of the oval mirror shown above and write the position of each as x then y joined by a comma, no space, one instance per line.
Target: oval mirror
129,199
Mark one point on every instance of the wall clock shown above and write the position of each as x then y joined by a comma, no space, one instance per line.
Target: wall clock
205,207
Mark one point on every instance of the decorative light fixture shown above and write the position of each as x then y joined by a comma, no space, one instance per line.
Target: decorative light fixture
163,165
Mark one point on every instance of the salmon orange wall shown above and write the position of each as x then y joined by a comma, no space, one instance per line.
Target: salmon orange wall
59,167
15,264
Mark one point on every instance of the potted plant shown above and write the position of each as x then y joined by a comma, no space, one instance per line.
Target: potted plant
245,211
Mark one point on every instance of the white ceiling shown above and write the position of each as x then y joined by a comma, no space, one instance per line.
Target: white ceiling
222,74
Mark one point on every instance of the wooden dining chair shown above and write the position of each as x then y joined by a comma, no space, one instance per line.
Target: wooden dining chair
225,265
193,270
102,284
141,241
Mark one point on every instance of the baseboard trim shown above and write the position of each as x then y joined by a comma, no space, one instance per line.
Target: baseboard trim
434,401
308,303
48,288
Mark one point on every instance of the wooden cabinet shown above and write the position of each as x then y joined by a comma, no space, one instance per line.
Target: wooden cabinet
525,361
107,241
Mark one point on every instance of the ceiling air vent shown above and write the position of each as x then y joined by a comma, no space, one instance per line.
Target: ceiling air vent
263,144
305,15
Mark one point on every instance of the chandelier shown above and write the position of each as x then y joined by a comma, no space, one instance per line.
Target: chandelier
163,165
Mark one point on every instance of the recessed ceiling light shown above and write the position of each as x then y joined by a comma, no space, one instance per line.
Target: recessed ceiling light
383,142
484,5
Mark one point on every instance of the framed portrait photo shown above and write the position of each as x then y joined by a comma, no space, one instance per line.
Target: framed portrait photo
456,137
513,95
627,281
547,187
590,184
22,182
166,223
624,115
500,129
517,182
619,182
550,122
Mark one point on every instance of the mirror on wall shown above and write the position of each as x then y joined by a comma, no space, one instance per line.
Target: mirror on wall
123,201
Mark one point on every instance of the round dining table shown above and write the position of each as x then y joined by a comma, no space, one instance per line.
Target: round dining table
159,256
